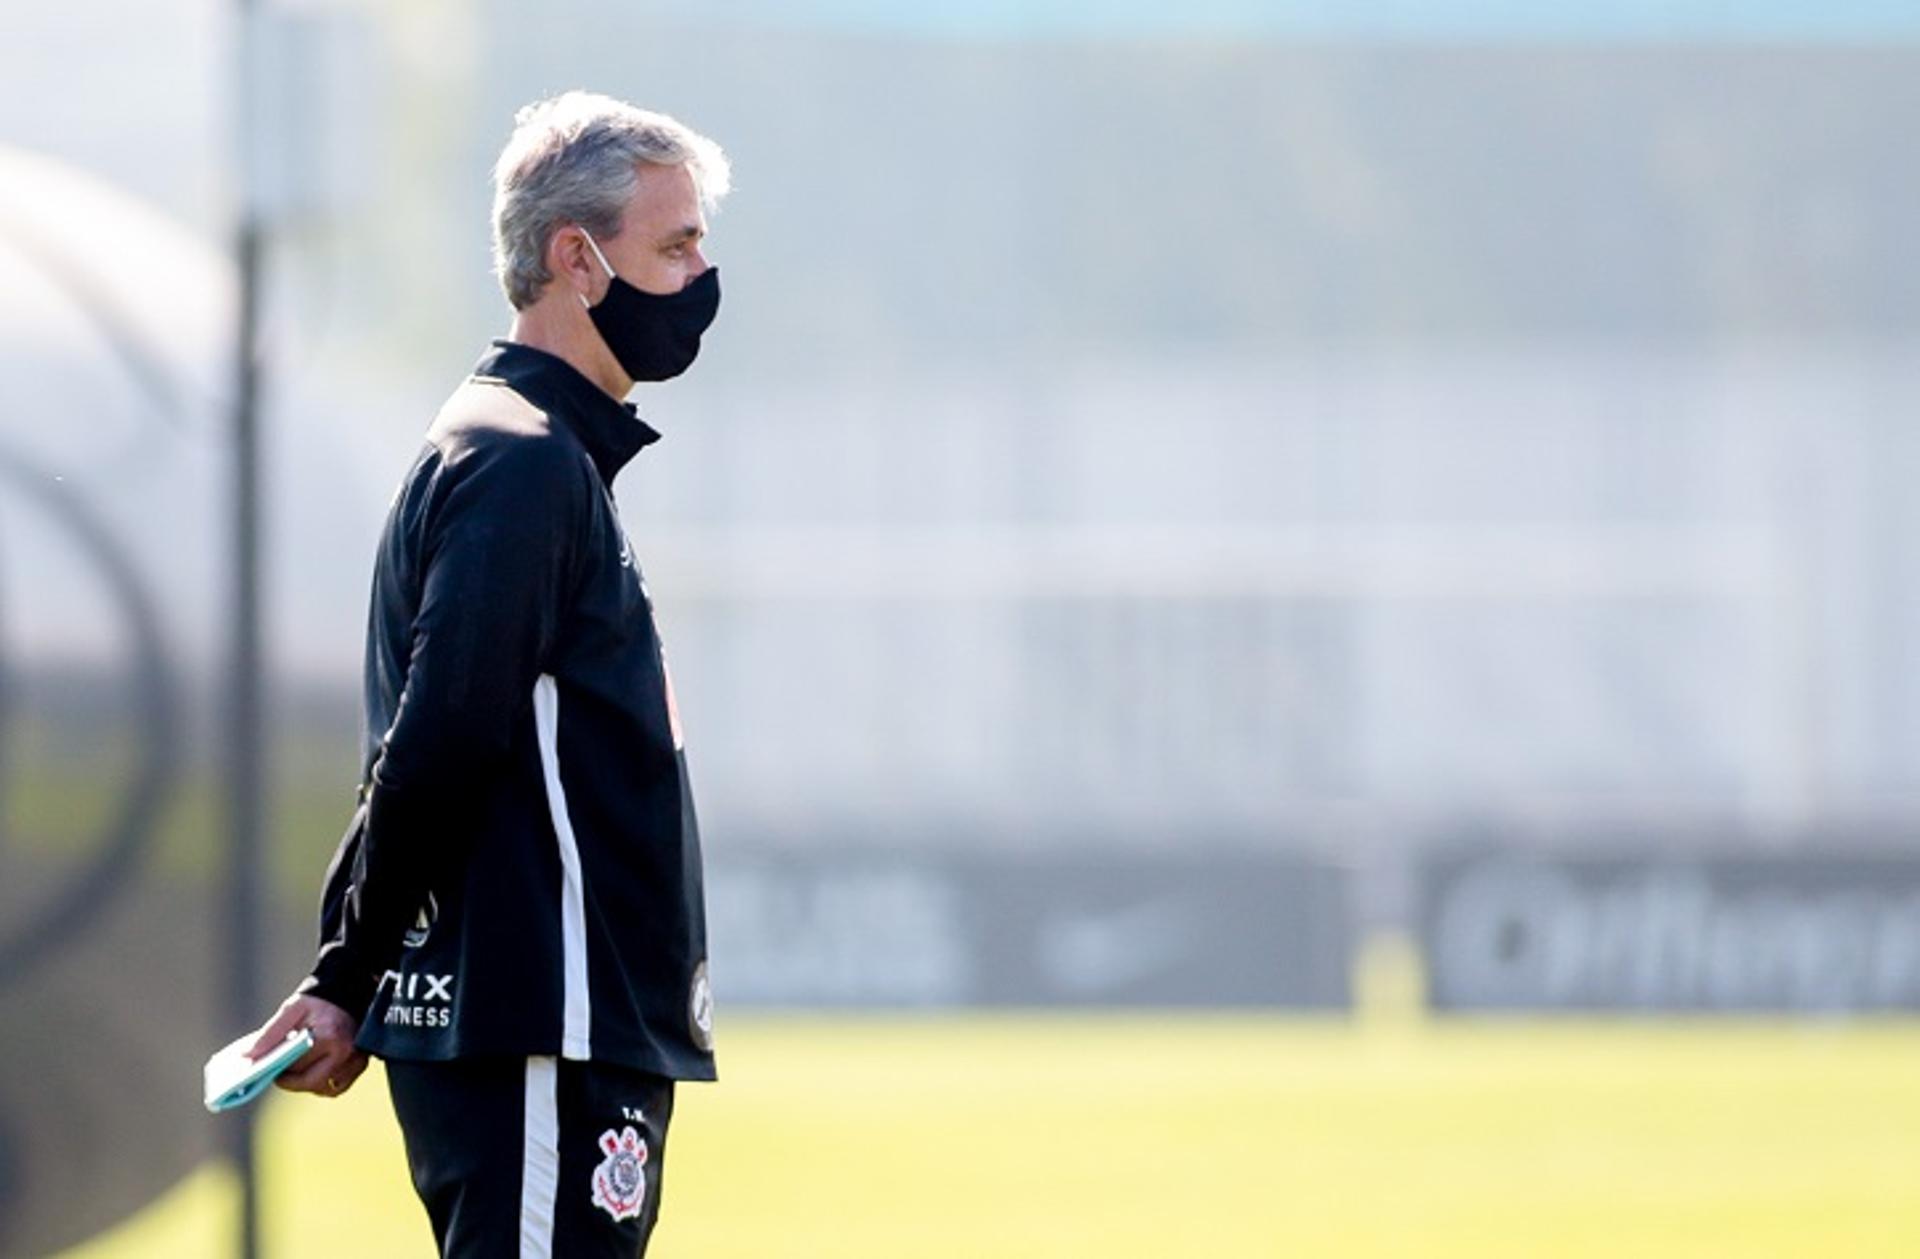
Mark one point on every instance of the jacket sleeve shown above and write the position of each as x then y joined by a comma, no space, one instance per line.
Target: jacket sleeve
498,552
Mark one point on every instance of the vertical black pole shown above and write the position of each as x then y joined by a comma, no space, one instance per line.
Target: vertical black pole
246,752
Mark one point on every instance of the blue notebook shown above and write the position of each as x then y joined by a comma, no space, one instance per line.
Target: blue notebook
233,1079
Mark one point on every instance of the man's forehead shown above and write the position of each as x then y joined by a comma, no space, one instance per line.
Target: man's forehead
666,201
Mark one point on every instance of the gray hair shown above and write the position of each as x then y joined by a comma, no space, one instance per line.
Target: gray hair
575,158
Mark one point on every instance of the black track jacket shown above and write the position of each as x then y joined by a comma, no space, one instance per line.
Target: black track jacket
523,874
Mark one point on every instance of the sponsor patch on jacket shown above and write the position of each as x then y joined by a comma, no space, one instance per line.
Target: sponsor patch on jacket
620,1182
419,1000
700,1009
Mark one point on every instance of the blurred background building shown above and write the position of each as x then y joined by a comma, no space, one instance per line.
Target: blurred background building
1229,429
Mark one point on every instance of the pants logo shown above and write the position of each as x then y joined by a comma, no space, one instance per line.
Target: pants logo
620,1182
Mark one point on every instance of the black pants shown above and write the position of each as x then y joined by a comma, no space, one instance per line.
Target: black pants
534,1158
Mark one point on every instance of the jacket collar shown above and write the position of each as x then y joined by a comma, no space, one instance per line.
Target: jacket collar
612,431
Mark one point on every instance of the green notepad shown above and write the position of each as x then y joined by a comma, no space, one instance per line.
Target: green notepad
233,1079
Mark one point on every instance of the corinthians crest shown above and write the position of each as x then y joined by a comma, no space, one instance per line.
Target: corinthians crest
620,1182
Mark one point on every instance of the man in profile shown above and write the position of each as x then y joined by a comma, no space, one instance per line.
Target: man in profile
514,920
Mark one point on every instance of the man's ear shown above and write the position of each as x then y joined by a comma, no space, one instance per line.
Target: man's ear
570,261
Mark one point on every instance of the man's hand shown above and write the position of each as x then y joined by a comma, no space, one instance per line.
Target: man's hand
333,1064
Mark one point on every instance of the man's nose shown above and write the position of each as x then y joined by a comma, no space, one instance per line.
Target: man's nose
697,264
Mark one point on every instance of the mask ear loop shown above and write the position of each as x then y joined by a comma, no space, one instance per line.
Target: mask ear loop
611,275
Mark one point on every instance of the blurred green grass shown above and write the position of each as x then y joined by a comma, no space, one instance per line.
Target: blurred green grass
1076,1137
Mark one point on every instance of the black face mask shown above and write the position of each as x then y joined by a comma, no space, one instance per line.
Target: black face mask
654,337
